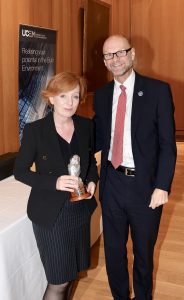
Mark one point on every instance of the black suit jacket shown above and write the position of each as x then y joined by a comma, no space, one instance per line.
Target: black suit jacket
152,132
40,145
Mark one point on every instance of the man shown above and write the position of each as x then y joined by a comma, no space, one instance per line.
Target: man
136,133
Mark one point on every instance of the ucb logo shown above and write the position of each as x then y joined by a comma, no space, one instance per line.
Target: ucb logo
28,33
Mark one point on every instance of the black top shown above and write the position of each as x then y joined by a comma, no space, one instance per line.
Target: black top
68,149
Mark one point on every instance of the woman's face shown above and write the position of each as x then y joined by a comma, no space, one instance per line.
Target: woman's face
66,103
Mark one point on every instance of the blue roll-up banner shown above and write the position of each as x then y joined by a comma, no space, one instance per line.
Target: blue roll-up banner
37,48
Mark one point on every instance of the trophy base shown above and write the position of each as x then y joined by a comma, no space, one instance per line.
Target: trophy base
75,197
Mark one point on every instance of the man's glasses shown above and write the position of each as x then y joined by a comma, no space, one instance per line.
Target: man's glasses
120,53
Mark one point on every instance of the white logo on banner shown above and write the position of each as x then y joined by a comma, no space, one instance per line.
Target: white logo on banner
32,34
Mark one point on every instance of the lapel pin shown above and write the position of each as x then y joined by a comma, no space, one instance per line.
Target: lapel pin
44,157
140,93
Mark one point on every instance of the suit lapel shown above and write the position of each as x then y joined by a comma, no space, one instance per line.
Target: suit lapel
108,108
138,102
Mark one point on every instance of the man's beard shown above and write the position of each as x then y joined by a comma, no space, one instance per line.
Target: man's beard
124,71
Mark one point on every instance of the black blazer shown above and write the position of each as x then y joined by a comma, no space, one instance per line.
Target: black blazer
152,132
40,145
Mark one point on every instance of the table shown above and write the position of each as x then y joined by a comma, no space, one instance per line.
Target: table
22,275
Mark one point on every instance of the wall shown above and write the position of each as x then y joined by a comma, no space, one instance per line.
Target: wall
157,34
61,15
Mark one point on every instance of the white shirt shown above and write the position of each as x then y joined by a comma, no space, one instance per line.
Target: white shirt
127,159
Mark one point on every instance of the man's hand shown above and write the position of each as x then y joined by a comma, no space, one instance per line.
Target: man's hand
159,197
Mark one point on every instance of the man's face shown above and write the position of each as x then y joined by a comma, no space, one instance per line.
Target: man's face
119,66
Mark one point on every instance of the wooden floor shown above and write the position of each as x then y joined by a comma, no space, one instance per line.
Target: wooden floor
169,251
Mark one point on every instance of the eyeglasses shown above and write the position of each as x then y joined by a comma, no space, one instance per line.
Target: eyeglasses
120,53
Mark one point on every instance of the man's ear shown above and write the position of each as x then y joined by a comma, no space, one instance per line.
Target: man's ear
133,53
105,62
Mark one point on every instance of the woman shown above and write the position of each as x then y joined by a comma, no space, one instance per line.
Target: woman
61,227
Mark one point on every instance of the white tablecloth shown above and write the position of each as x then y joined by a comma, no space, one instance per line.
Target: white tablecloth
21,273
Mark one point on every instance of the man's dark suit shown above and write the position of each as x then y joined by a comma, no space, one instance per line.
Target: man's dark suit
40,145
154,153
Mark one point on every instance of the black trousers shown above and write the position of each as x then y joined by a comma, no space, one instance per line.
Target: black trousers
124,209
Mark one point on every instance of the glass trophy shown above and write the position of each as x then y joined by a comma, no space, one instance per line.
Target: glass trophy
74,169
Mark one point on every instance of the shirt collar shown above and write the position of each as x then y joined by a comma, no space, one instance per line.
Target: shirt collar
128,82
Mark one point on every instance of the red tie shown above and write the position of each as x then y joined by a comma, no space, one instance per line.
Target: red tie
117,148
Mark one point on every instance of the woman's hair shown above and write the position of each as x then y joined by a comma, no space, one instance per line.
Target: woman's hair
64,82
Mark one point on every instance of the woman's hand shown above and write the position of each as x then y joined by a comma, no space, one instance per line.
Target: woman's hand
91,189
67,183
